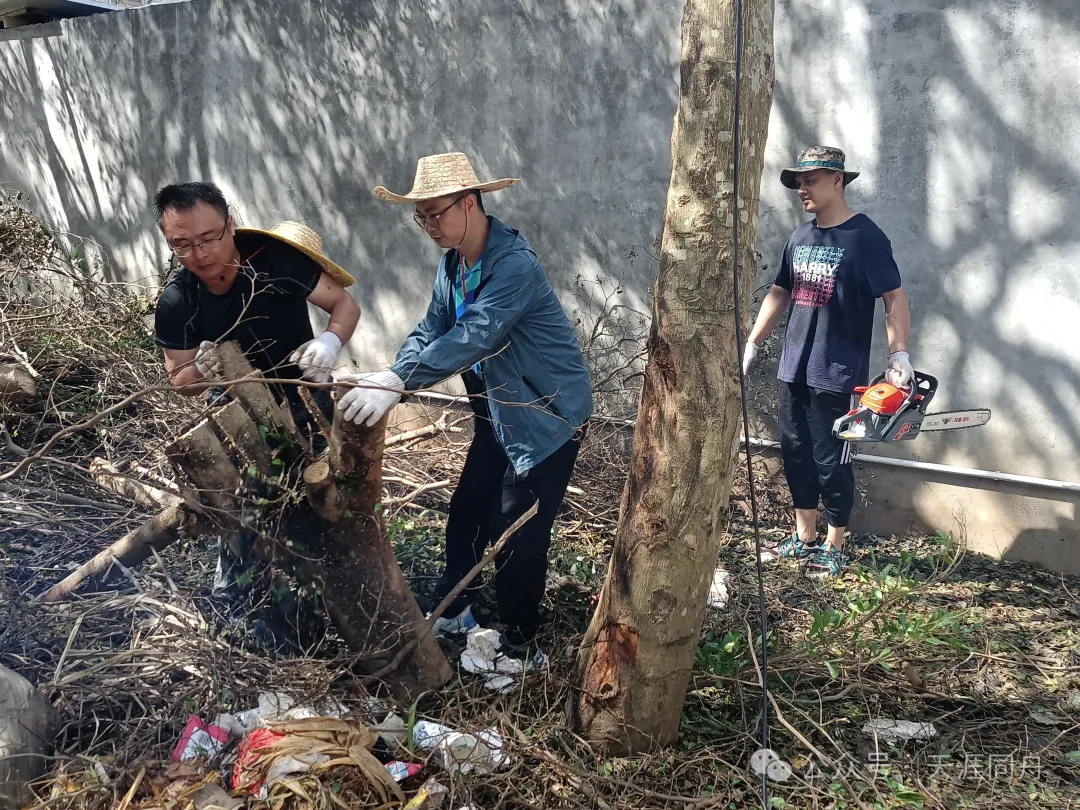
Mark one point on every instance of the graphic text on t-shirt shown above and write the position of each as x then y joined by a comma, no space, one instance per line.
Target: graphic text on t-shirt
815,273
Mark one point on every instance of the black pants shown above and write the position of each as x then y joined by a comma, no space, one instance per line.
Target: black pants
489,497
817,465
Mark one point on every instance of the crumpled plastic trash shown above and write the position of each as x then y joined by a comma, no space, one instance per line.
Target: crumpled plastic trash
718,591
482,657
430,796
392,730
200,740
459,752
274,707
898,730
400,771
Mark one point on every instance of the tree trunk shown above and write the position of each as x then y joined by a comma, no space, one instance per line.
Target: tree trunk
636,658
363,587
333,540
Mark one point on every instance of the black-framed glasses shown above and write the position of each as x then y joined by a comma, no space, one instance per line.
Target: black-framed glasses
425,220
183,251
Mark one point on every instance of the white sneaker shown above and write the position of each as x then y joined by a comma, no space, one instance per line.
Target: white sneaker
456,626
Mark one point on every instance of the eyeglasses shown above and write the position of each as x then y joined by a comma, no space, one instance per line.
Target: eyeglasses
432,220
183,251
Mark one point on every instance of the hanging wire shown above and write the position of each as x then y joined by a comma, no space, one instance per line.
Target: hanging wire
762,612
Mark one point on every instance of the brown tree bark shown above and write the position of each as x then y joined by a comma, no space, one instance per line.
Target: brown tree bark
636,658
333,540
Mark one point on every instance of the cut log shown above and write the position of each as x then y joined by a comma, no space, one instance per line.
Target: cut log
335,543
202,457
131,549
240,430
16,383
257,399
322,491
109,478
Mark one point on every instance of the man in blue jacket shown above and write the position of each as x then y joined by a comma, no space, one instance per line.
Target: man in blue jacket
495,320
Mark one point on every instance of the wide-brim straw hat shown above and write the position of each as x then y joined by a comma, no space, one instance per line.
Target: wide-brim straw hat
440,176
304,239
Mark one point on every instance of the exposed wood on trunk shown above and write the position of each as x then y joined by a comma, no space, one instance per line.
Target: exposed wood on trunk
108,477
131,549
636,657
322,492
240,430
335,542
202,457
16,383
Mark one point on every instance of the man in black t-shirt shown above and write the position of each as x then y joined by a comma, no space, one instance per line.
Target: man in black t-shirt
246,285
833,270
253,287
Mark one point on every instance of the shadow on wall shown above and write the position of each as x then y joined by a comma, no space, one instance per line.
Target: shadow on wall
962,119
299,109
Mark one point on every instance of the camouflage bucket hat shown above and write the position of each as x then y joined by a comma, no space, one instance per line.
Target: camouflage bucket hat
817,157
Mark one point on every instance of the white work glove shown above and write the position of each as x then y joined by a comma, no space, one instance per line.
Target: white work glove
368,405
899,371
317,357
749,355
208,363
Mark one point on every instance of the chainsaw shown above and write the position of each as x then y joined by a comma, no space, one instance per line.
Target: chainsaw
888,413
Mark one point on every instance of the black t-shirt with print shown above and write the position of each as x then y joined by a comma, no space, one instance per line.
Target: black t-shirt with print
265,310
835,276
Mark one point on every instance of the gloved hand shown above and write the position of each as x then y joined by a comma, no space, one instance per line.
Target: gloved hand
208,362
316,358
899,371
750,353
368,405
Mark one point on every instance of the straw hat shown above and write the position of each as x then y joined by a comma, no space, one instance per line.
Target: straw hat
441,175
308,242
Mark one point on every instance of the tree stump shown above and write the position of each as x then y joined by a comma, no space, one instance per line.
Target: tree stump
319,519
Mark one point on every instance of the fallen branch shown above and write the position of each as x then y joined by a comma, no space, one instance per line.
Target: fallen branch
10,445
131,549
108,477
424,631
416,493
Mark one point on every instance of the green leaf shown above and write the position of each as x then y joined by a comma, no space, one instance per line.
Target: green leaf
1073,756
910,797
833,671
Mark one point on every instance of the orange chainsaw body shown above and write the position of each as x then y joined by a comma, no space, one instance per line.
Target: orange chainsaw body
883,398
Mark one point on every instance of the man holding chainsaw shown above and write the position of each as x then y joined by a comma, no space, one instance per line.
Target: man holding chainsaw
833,270
495,320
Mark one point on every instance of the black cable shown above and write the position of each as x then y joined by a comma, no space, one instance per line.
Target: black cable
763,618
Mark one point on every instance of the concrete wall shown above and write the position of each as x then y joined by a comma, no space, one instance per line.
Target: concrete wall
961,114
299,109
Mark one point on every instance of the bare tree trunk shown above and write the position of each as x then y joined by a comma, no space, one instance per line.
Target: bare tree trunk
636,658
333,540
